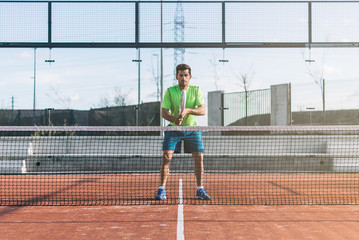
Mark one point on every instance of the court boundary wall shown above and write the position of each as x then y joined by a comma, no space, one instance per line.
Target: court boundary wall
98,154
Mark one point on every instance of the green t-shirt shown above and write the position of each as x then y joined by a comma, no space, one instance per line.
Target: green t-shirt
172,101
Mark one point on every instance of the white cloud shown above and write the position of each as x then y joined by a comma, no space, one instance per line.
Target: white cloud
348,21
75,97
326,26
303,20
24,54
3,84
355,94
331,70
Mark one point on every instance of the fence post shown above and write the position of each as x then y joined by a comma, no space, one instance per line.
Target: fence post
281,113
215,108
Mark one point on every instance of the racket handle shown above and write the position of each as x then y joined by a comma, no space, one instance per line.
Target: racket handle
183,101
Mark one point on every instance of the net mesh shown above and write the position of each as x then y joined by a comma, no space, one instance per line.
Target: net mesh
121,166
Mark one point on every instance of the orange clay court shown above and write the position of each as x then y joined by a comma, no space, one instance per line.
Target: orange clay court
265,183
195,219
139,189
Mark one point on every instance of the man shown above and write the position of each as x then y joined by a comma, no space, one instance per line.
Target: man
195,106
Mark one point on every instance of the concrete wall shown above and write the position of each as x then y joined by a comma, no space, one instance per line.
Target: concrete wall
332,117
215,103
281,105
277,153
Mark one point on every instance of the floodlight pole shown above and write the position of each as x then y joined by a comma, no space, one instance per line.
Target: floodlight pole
310,114
161,58
137,30
139,85
49,115
323,95
34,103
157,77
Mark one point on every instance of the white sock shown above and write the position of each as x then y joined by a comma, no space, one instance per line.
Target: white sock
199,187
162,187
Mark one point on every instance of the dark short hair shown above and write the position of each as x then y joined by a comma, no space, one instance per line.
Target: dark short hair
182,67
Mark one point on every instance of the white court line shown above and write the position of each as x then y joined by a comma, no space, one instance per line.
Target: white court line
180,220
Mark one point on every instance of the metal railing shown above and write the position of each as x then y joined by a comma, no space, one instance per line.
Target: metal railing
247,108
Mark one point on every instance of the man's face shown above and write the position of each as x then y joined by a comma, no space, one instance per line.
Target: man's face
183,78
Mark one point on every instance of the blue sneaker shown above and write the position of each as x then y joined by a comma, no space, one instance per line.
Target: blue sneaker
160,195
202,194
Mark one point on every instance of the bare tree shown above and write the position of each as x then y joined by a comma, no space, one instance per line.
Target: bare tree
120,97
317,76
56,96
156,77
215,68
119,100
245,82
104,102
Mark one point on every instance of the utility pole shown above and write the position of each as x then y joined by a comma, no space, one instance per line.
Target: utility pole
12,103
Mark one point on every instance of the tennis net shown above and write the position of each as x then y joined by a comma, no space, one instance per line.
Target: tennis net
121,166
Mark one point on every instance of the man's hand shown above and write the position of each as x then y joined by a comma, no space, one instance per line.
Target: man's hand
178,121
184,113
165,113
180,118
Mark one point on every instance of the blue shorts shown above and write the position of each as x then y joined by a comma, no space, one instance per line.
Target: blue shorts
192,141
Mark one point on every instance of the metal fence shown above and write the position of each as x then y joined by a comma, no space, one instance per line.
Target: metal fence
247,108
